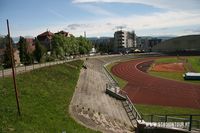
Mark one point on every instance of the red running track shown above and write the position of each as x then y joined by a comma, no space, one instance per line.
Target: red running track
146,89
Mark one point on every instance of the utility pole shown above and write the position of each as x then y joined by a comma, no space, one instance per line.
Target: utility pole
13,70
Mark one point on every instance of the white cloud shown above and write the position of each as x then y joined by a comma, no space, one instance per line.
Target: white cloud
156,21
167,4
144,25
96,10
151,24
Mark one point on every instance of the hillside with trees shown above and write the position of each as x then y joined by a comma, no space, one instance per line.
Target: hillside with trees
179,44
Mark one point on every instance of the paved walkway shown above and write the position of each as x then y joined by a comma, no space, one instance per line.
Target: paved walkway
92,106
23,69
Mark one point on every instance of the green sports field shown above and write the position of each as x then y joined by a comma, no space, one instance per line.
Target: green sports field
191,63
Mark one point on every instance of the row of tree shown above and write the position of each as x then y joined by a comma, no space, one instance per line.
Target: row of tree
62,46
26,55
5,45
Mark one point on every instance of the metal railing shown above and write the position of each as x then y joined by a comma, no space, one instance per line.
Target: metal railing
183,121
22,69
133,110
110,76
129,107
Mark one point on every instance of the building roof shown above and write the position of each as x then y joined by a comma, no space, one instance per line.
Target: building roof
67,34
62,32
29,40
47,33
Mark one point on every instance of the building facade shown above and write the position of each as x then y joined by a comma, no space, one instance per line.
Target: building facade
64,33
146,44
31,45
46,39
124,41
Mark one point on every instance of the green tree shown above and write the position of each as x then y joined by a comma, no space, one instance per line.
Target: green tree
2,42
74,47
7,55
22,49
39,51
25,56
58,45
67,46
84,45
29,58
63,45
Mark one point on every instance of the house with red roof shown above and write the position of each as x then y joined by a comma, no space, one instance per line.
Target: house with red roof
45,39
64,33
31,45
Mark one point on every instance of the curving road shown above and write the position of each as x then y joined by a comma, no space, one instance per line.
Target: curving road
145,89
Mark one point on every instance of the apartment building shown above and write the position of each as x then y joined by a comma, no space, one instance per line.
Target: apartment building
124,41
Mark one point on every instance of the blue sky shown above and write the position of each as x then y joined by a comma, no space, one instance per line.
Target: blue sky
101,17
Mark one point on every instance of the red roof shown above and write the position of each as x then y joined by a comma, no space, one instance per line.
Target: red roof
47,33
63,33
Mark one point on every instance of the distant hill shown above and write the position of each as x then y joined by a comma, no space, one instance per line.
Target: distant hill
163,38
183,43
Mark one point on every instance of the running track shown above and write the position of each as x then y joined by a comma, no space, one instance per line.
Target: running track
145,89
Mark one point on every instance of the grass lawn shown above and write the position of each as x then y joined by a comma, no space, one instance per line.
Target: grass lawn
122,83
166,60
45,95
153,109
165,110
194,61
173,76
